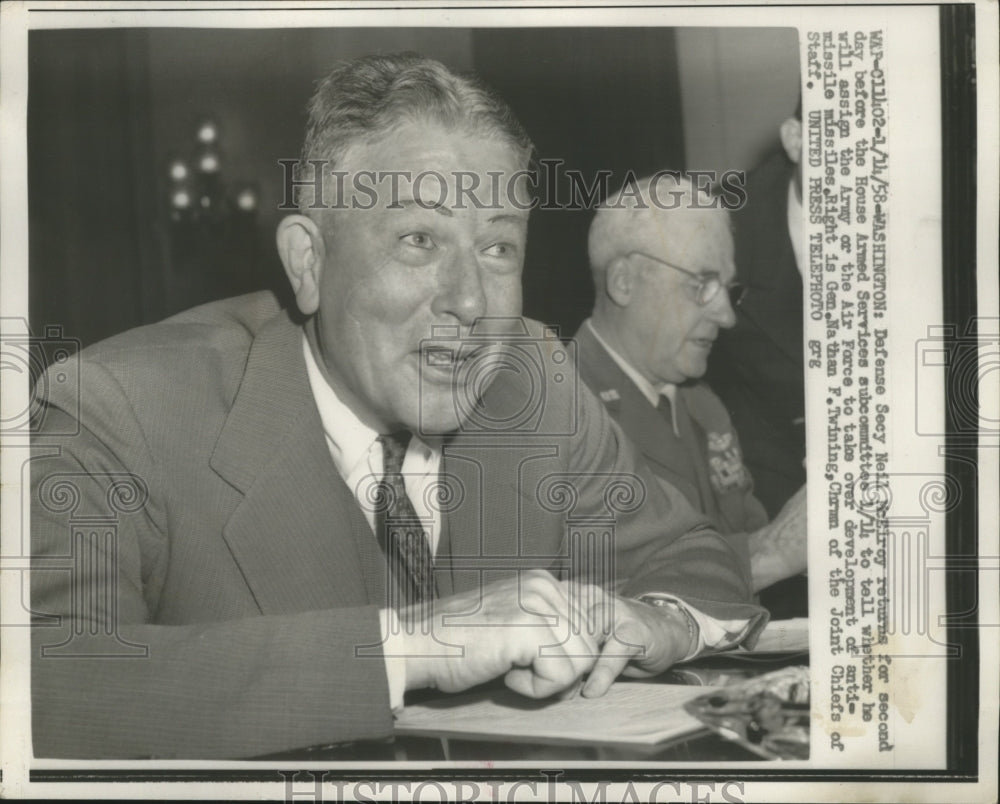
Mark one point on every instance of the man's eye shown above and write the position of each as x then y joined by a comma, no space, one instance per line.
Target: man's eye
501,250
708,282
418,239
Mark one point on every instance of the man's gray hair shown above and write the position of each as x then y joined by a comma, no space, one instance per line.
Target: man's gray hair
647,213
362,99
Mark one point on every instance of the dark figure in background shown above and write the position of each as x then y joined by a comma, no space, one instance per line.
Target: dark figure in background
756,367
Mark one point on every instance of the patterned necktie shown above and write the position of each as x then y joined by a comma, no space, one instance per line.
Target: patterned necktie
400,532
666,410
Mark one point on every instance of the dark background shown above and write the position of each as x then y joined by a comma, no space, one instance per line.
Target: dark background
108,109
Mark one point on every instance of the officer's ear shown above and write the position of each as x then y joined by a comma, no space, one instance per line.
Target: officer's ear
619,281
791,138
301,248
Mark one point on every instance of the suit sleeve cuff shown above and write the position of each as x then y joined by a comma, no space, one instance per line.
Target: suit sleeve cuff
713,633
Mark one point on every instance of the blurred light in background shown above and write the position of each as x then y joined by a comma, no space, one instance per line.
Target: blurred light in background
246,199
202,198
178,170
208,132
208,162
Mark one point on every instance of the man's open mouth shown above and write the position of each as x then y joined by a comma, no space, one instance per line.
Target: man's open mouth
453,357
439,356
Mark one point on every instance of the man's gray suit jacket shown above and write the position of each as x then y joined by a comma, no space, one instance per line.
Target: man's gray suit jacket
205,584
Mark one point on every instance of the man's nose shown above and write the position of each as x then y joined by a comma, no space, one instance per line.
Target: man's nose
721,310
460,291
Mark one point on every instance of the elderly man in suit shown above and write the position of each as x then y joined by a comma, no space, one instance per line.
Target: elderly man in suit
661,255
256,530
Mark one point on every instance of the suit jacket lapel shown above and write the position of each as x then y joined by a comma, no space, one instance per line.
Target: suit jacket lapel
298,535
693,437
443,579
486,521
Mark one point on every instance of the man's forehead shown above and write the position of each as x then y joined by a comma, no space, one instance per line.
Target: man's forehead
699,240
410,145
425,167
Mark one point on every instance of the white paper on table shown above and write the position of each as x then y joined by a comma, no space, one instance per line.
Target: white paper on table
630,713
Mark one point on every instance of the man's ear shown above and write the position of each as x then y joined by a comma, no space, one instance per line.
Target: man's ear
791,138
301,248
619,282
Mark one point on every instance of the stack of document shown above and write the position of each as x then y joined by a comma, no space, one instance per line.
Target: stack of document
629,714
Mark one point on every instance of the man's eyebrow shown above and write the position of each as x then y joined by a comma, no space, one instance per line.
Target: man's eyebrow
413,202
509,216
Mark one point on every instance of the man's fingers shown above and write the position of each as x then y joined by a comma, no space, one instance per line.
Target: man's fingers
556,665
578,600
623,644
524,681
558,607
521,680
608,667
547,675
585,607
553,658
574,632
588,602
541,594
634,671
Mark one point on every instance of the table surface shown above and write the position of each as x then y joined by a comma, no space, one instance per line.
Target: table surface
696,747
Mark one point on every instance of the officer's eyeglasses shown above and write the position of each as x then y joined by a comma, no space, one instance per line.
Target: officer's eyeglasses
708,284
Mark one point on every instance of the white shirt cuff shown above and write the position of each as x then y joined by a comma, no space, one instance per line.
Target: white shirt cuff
392,652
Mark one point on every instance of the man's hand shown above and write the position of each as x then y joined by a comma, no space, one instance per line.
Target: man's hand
542,635
778,550
533,630
639,640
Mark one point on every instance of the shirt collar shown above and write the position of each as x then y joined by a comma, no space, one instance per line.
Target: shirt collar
353,444
350,439
650,391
